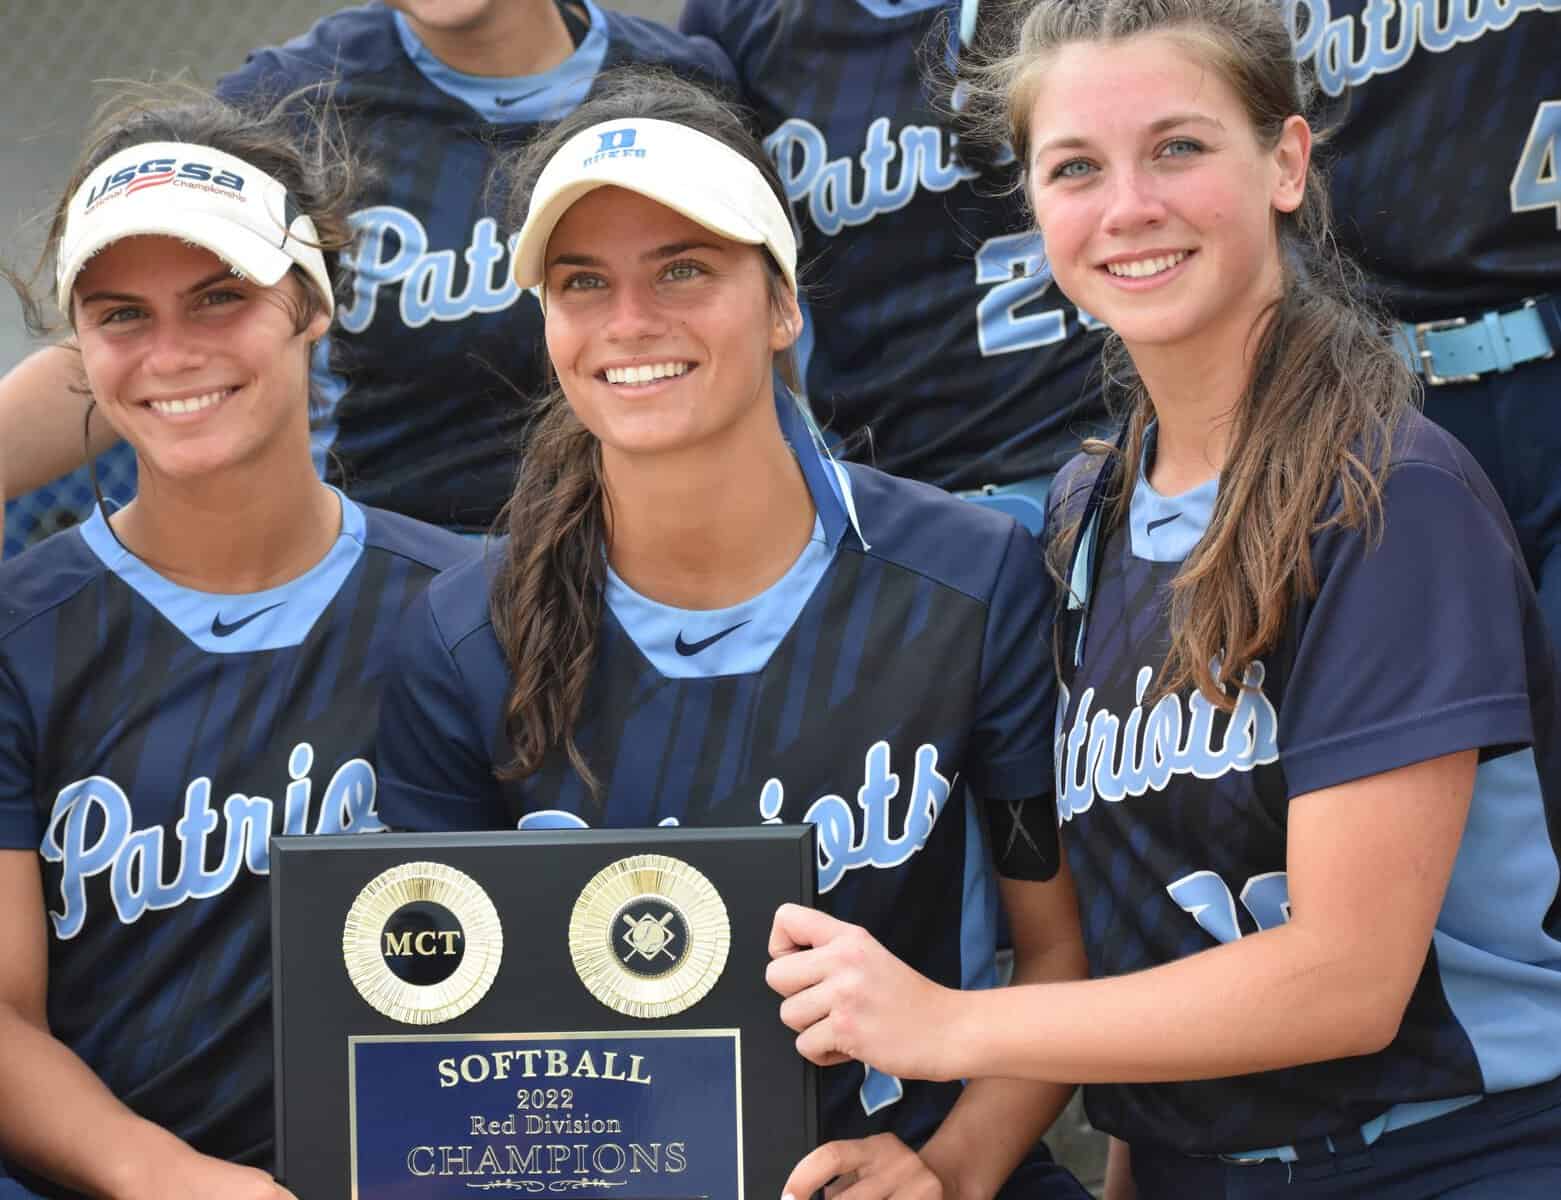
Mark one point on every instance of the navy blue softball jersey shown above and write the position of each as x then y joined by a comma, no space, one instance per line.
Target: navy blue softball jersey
891,688
152,738
1447,179
1174,815
937,345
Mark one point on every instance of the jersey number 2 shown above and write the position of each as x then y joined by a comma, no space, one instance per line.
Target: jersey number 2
1536,184
1015,267
1204,896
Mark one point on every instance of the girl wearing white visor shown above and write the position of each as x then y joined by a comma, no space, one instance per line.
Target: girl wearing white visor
700,619
186,675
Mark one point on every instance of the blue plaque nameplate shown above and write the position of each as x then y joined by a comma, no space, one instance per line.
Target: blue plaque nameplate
627,1115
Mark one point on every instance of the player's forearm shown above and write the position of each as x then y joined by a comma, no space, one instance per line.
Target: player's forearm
996,1121
1274,999
42,415
59,1121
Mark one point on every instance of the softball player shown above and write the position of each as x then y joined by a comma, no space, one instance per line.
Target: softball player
1308,738
184,676
937,346
1447,188
423,388
699,618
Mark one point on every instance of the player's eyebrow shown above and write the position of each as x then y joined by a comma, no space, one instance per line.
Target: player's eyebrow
670,250
1075,142
130,297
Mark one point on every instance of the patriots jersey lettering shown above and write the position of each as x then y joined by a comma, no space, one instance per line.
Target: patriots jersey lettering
135,858
843,844
393,248
836,197
1101,755
1386,44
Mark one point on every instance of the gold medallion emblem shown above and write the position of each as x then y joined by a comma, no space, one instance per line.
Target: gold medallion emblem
422,943
649,936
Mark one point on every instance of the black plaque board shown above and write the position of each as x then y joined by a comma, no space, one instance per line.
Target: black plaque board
328,1037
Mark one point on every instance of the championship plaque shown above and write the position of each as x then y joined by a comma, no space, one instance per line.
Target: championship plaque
575,1012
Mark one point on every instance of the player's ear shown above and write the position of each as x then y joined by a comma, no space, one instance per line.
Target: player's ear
1292,154
785,320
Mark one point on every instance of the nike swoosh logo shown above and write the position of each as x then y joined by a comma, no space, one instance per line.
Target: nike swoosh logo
220,628
506,101
688,648
1153,525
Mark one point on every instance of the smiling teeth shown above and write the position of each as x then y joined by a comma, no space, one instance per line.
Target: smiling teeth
646,373
1145,267
191,404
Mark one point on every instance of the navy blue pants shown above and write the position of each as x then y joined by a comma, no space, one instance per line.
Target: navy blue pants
1506,1147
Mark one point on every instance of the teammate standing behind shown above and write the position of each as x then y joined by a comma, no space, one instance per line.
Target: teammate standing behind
1308,740
436,356
1447,189
699,619
937,347
183,677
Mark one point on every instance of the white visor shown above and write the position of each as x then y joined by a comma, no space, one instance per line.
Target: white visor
688,171
198,195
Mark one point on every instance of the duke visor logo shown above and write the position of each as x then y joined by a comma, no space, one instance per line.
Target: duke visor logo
615,143
422,943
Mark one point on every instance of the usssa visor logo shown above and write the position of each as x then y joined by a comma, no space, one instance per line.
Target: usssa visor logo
615,143
155,172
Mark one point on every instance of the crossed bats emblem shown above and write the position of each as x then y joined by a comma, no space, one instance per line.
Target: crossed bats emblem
649,936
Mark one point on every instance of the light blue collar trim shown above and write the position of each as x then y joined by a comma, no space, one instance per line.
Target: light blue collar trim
828,481
686,643
516,99
238,624
1166,528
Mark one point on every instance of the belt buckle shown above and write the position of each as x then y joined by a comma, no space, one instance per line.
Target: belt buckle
1244,1160
1533,302
1424,353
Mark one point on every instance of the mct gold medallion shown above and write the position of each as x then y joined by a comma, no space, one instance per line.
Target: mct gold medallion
649,936
422,943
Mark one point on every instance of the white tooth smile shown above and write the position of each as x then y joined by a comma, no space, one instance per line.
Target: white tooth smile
646,372
1145,267
191,403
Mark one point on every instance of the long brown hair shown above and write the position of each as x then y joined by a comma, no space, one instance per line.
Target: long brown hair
546,599
1312,435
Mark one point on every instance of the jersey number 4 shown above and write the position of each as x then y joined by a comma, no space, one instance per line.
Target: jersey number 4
1536,184
1204,896
1014,266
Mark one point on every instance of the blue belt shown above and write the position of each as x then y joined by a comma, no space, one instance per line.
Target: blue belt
1461,349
